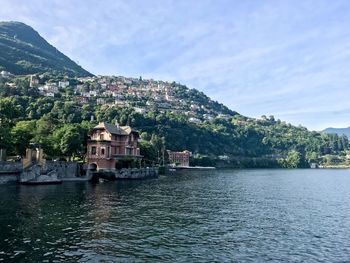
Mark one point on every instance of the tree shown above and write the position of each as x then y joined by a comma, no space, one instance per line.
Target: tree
5,142
293,160
10,109
312,157
68,140
22,134
148,151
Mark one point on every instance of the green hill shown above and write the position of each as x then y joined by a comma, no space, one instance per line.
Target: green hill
24,51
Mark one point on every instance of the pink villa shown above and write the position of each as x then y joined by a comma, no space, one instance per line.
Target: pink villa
179,158
111,146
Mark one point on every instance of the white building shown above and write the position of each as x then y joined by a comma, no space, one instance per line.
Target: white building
101,101
93,93
140,110
120,103
51,87
224,116
63,84
223,157
194,120
208,117
5,74
49,94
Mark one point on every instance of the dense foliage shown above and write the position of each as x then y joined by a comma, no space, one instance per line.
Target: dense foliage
60,125
24,51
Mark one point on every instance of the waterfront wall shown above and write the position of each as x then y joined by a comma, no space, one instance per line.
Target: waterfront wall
68,170
125,173
9,171
64,169
30,174
136,173
10,167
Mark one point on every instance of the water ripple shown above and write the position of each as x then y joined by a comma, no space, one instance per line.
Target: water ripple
221,216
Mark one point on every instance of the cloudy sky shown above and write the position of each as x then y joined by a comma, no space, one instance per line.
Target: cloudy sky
289,58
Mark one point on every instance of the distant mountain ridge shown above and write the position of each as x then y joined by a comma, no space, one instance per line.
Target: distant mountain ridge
339,131
24,51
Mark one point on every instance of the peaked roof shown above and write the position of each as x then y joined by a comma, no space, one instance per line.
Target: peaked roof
113,129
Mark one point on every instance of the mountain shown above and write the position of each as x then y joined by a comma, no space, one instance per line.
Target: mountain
339,131
24,51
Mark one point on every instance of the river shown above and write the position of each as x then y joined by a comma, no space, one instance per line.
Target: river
214,216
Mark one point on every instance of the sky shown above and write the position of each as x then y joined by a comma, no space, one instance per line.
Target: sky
289,58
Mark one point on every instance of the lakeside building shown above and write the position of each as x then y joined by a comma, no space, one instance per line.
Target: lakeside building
111,147
179,158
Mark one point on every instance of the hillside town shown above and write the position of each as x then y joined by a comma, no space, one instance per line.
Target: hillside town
141,95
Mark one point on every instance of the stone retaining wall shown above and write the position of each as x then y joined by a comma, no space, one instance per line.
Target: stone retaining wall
30,174
10,166
71,170
136,173
64,169
8,170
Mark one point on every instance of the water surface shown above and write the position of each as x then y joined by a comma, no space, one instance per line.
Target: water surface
222,216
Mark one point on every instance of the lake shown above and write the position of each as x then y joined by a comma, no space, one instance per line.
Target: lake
222,216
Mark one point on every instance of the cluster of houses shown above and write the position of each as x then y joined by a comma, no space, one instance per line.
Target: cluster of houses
142,95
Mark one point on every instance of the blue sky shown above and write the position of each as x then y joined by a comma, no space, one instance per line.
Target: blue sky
290,59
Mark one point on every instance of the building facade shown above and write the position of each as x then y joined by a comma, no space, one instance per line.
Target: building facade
179,158
111,146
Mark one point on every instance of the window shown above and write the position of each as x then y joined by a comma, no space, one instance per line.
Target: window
128,151
102,151
101,137
93,150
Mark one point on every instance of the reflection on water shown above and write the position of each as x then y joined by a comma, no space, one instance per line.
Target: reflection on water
232,215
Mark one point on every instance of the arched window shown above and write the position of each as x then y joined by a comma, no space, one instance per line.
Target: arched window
93,150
